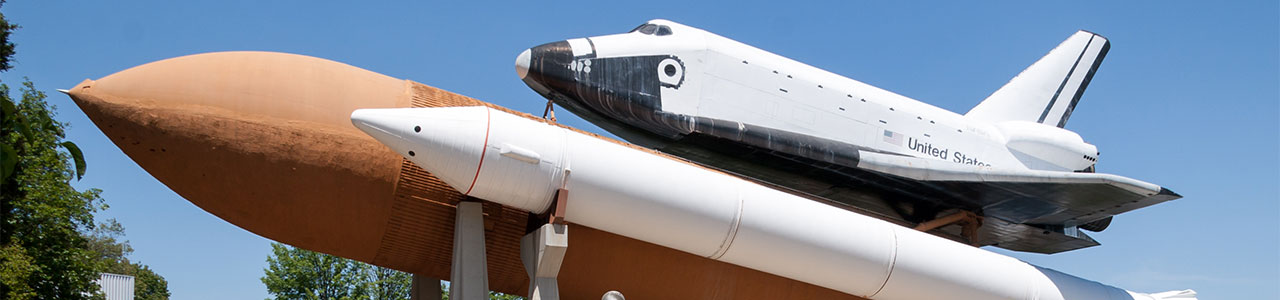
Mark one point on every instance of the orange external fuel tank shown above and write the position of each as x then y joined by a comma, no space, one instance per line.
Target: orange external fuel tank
263,140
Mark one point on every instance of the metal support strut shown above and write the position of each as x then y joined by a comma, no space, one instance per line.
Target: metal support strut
424,288
549,113
969,220
557,209
469,277
542,251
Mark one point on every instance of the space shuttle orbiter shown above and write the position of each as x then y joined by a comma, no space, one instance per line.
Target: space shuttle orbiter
722,103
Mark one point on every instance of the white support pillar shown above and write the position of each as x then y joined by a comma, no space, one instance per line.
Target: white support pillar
470,278
424,288
542,252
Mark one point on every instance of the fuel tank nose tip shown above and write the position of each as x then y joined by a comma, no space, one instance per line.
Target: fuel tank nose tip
522,63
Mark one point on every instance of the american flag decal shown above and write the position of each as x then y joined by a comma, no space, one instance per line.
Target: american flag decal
893,137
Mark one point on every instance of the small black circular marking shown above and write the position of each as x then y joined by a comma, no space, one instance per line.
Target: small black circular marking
670,70
417,128
411,153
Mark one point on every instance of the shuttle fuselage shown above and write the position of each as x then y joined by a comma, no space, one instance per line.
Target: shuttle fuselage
673,80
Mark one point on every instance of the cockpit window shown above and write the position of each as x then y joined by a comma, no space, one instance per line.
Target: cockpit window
652,29
646,29
664,30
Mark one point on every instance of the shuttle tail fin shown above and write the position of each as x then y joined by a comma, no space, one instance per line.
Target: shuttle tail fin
1048,90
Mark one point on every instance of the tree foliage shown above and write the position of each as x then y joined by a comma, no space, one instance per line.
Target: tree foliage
147,284
42,251
113,255
387,284
444,293
6,46
43,216
50,247
294,273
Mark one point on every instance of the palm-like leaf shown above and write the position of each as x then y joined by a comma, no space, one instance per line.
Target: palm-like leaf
77,156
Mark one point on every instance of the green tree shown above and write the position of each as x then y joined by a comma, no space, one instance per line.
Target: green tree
501,296
49,245
147,284
388,284
6,46
294,273
444,293
42,251
113,255
42,217
15,267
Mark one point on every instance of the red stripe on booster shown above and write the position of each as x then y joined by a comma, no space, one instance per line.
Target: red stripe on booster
482,151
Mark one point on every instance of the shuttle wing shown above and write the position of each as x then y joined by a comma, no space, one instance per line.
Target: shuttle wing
1025,210
1044,201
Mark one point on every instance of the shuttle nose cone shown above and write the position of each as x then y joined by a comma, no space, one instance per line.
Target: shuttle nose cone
546,68
522,64
447,141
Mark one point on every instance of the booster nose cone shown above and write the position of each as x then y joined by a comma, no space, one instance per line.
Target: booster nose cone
522,64
448,141
380,128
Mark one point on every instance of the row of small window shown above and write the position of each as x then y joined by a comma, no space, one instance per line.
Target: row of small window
849,96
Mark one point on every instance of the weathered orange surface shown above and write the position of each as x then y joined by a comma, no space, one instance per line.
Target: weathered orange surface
264,141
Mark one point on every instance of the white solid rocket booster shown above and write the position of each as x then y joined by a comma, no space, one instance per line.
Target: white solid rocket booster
518,162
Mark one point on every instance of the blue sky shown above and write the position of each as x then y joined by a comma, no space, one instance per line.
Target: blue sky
1187,98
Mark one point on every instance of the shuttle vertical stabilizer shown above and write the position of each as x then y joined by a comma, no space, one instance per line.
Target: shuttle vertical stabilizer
1048,90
